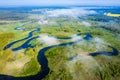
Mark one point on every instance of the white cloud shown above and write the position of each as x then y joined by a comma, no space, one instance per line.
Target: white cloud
72,12
48,40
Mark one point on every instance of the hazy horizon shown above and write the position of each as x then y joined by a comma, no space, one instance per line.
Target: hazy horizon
16,3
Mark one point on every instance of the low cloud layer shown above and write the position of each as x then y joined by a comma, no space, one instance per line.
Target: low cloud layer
48,40
73,12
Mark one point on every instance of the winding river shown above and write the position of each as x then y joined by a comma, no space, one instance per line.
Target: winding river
29,35
42,58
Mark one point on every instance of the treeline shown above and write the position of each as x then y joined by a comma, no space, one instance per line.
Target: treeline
108,71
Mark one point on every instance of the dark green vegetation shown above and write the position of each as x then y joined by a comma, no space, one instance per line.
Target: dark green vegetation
107,68
65,63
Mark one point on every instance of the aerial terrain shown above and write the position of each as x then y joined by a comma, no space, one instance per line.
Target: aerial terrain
60,43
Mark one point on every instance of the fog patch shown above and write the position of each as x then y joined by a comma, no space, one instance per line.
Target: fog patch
76,37
43,22
48,40
34,16
66,12
99,43
95,43
88,63
118,37
73,12
80,60
84,23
